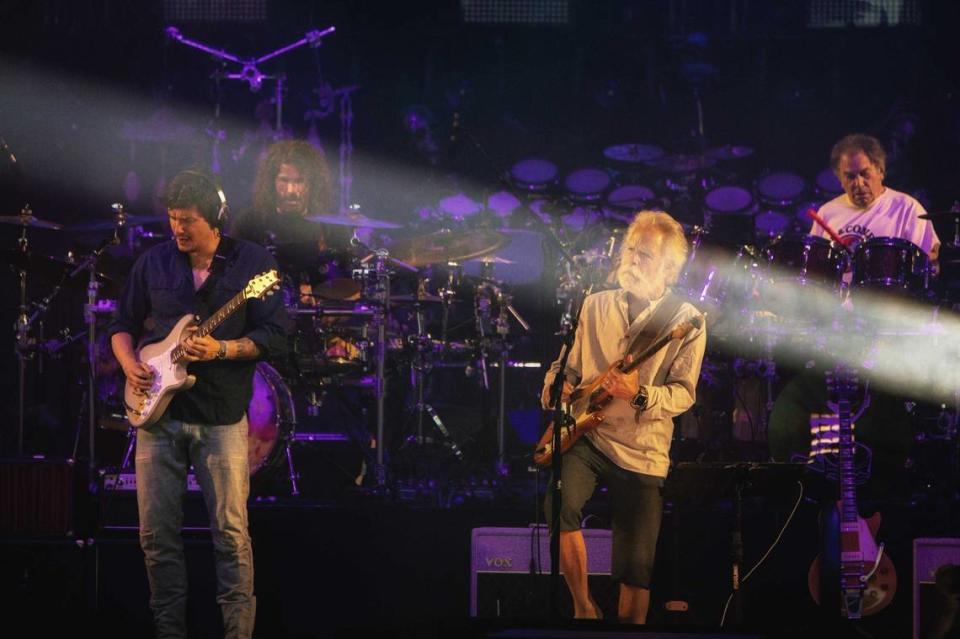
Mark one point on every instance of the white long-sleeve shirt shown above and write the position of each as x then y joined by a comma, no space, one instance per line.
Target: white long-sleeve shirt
669,378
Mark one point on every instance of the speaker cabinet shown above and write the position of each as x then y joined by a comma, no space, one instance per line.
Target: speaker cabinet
936,588
37,497
510,572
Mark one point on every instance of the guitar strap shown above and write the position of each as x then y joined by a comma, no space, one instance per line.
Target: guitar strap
220,256
655,326
657,323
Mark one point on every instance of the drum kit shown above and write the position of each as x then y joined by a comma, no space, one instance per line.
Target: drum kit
367,317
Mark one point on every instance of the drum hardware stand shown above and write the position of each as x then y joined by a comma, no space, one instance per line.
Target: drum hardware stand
379,274
419,369
485,293
90,311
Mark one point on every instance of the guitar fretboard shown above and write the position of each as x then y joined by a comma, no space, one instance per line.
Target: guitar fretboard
211,323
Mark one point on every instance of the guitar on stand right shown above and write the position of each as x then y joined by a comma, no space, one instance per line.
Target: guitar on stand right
867,578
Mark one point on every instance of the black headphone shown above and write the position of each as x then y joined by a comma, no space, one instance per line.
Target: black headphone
224,209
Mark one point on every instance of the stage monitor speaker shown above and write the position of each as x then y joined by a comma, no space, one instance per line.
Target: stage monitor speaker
37,497
936,588
510,572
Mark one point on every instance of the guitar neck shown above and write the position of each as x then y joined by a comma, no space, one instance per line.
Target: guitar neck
848,482
211,323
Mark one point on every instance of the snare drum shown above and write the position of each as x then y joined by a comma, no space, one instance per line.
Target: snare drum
806,260
780,189
270,416
891,264
587,185
534,175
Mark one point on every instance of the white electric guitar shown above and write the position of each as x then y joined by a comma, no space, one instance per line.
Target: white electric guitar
165,358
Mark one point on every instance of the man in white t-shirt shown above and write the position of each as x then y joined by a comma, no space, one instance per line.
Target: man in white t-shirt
867,208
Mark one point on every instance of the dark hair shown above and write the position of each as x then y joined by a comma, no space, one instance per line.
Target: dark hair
192,187
312,165
855,142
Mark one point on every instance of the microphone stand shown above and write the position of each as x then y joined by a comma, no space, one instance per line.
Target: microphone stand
568,332
556,461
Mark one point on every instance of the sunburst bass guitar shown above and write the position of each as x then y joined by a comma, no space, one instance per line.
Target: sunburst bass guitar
165,358
587,402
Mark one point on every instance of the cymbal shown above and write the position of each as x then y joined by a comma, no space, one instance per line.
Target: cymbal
633,153
29,220
338,288
109,225
680,163
357,220
448,246
729,152
494,259
933,215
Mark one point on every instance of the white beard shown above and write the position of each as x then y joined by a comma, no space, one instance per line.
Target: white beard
641,287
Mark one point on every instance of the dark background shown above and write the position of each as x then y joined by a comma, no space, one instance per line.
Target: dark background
77,77
80,79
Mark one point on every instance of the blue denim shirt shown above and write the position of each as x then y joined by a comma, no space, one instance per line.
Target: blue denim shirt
159,292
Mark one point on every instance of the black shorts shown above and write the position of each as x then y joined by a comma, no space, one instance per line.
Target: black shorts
635,501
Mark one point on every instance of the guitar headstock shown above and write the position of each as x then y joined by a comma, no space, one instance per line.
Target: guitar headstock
262,285
842,382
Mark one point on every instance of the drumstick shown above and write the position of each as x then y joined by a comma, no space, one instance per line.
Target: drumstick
826,227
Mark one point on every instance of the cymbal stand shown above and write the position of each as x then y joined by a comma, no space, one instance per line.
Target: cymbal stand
488,291
378,280
24,343
90,310
420,368
447,292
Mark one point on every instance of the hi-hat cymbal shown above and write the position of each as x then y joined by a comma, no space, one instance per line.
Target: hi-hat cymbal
448,246
680,163
356,220
109,225
29,220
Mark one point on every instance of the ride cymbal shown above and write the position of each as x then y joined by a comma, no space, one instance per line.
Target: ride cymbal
355,220
448,246
29,220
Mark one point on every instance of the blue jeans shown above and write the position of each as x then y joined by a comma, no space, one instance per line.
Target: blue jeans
165,452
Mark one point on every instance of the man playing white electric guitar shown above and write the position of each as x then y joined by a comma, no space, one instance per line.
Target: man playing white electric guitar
201,273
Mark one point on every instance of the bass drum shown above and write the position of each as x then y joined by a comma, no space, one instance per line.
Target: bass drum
271,417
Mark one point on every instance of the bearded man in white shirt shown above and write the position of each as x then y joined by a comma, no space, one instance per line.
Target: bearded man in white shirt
630,450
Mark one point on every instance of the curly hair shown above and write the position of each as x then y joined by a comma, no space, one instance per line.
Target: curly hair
312,165
851,144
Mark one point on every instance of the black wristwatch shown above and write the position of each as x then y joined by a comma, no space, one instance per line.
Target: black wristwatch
222,352
639,400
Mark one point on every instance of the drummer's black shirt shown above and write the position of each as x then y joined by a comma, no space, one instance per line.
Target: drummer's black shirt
159,291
